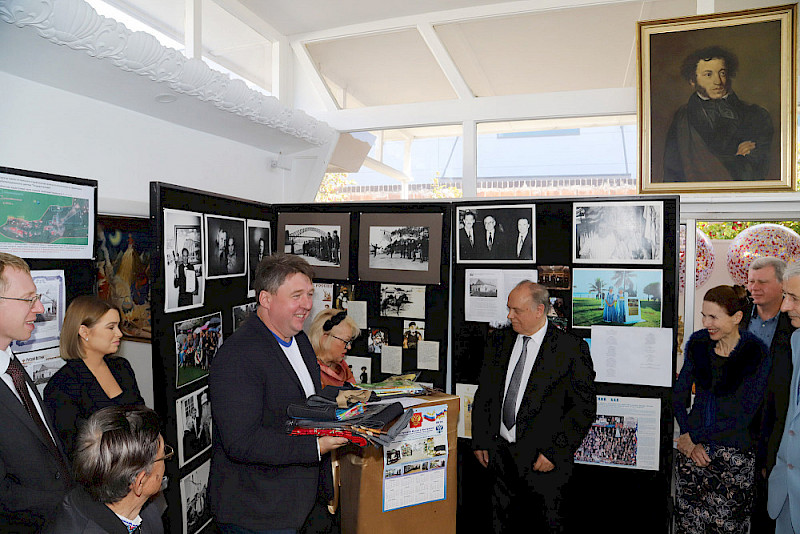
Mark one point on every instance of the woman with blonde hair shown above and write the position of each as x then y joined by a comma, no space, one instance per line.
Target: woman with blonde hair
92,377
332,333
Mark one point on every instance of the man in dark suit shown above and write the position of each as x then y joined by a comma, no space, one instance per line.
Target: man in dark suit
34,474
523,246
774,328
468,238
534,405
492,245
263,479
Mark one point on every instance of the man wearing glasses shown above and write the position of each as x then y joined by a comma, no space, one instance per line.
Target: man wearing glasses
33,466
263,480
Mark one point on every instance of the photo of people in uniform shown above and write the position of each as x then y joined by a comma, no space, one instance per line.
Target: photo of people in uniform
497,234
402,248
413,332
226,246
318,244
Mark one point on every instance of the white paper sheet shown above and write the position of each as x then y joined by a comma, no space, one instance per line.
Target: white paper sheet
357,310
486,293
466,395
625,434
392,360
428,355
624,355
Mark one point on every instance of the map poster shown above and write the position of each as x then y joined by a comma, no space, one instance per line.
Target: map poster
46,218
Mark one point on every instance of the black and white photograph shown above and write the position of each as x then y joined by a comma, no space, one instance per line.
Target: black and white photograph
259,246
183,260
226,246
377,338
240,313
401,248
402,301
483,284
413,332
47,332
320,245
361,367
196,343
194,425
618,232
322,239
343,294
194,499
554,276
496,234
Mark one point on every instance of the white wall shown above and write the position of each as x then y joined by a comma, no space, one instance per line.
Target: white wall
50,130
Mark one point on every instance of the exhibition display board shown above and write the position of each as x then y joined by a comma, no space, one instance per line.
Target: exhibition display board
611,269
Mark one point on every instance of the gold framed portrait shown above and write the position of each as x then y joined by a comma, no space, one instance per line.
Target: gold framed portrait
717,102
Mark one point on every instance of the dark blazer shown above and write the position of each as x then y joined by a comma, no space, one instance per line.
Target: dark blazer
31,485
526,253
776,401
261,478
80,514
467,250
559,405
73,394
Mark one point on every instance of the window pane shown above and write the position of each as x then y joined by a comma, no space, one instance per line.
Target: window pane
567,157
430,157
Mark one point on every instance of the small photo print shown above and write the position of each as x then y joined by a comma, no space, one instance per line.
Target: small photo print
194,499
183,260
413,332
361,367
194,425
558,313
483,284
319,244
240,313
226,247
616,297
344,293
259,246
554,276
196,343
378,337
402,301
403,248
618,232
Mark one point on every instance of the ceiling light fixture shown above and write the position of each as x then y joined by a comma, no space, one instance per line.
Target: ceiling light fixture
166,98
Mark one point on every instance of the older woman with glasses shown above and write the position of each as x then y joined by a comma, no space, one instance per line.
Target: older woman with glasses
92,377
332,333
119,465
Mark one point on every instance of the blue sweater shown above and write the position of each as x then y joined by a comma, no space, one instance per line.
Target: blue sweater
728,391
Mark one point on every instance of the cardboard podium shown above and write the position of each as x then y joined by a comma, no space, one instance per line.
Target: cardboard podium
361,492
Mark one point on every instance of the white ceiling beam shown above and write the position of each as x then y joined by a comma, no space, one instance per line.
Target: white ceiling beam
595,102
452,15
384,169
309,68
444,60
193,24
282,72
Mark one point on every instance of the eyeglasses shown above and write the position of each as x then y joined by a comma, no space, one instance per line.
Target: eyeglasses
168,453
347,342
31,301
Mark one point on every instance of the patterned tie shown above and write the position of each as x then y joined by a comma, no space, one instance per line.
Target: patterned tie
16,371
510,403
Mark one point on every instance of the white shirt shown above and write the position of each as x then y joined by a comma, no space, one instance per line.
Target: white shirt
531,351
5,360
296,359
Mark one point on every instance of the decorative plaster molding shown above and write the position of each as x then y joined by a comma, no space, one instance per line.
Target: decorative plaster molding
75,24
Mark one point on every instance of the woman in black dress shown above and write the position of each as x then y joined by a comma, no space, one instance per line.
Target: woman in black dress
93,377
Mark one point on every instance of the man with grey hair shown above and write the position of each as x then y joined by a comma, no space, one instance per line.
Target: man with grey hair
784,480
263,479
765,320
119,464
534,405
34,473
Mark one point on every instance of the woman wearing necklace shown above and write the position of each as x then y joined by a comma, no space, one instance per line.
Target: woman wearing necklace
332,333
729,370
92,377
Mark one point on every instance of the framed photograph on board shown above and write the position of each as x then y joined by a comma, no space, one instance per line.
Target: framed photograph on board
195,507
496,234
323,239
616,297
400,247
183,260
196,344
259,246
226,246
629,232
717,102
194,425
124,248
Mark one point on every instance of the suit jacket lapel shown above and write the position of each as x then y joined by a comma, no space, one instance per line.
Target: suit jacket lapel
14,406
531,401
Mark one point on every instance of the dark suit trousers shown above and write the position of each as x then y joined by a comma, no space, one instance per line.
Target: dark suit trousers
524,500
